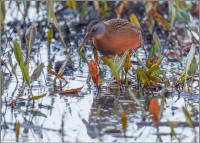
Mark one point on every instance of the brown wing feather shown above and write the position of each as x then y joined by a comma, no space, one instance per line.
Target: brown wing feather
123,27
118,25
118,45
120,36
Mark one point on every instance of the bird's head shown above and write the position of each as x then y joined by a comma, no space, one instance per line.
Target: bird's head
95,30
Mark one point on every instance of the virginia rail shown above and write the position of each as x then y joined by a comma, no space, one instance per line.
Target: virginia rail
114,37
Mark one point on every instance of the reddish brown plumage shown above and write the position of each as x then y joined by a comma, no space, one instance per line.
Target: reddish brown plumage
118,37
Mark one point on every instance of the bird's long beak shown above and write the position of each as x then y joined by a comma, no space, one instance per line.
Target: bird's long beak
87,37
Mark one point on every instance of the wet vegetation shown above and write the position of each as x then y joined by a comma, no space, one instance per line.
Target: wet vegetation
55,90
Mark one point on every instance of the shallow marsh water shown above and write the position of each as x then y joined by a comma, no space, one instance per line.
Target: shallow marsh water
89,115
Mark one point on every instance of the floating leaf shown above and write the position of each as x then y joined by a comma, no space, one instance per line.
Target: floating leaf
22,99
37,72
38,97
70,94
154,109
124,122
188,116
72,90
134,20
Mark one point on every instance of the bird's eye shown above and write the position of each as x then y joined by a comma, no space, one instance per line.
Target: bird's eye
94,30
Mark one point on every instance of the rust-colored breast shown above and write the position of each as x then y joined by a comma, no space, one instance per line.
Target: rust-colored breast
120,36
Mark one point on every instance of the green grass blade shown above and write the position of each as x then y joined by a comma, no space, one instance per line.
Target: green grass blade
18,53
